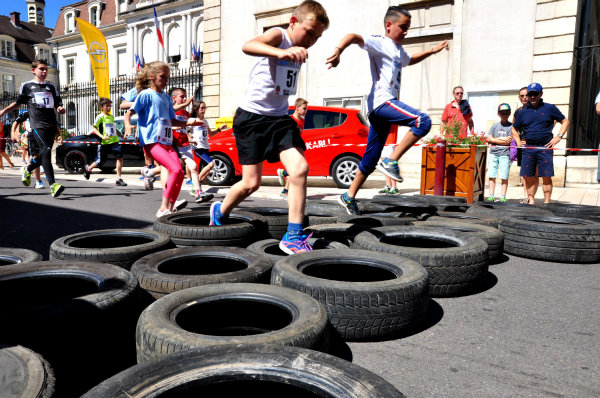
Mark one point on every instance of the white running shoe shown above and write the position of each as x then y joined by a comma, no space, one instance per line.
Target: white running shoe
161,213
39,185
180,204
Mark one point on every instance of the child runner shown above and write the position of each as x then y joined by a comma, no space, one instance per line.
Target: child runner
41,98
262,128
182,143
21,131
299,113
104,128
156,117
199,138
387,58
500,134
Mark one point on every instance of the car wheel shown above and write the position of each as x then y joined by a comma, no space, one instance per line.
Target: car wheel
75,161
223,171
344,170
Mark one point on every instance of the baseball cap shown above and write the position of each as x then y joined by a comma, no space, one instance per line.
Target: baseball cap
503,107
534,87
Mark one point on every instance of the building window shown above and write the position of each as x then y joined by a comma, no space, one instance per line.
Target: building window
94,16
71,116
6,49
8,83
70,20
70,70
43,53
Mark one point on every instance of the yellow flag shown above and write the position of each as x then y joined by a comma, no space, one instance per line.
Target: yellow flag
98,52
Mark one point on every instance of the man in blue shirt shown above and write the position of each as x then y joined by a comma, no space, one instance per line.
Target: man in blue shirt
536,121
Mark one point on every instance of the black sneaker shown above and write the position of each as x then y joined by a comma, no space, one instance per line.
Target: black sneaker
120,183
390,168
86,172
349,205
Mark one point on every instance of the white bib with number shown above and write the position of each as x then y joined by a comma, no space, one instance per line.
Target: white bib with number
286,77
110,130
43,99
165,132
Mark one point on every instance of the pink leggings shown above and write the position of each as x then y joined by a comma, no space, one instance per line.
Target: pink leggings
167,157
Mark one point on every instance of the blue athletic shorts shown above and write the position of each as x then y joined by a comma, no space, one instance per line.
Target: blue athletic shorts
540,158
104,150
202,153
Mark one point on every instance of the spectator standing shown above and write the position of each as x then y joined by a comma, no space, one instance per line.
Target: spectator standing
458,110
500,135
536,120
536,183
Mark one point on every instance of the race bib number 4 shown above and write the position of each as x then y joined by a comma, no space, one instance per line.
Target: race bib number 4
165,132
110,129
286,77
43,99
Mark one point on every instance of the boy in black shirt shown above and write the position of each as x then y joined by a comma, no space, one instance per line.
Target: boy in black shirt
41,98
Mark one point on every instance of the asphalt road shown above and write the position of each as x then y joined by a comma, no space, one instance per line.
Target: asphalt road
531,330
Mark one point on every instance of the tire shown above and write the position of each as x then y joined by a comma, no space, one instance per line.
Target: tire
9,255
74,314
398,198
463,217
409,207
270,247
344,170
434,199
265,371
572,210
222,173
172,270
120,247
454,266
492,236
192,228
557,239
323,208
74,162
377,219
276,218
451,207
25,374
499,211
367,296
232,314
339,232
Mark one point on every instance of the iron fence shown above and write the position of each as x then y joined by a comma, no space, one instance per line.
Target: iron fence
80,99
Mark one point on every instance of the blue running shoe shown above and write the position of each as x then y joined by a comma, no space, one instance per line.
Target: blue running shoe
293,246
215,214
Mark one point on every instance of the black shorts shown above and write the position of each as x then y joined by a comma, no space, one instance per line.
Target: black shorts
259,138
104,150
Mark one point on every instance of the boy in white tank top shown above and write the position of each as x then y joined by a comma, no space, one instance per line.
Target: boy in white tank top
262,128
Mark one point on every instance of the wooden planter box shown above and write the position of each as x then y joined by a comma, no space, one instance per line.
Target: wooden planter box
464,173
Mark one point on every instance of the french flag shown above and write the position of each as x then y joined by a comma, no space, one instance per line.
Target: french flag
158,33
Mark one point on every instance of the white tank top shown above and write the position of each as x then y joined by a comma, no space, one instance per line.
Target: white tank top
271,82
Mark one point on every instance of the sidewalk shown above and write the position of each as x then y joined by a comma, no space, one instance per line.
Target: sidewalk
324,188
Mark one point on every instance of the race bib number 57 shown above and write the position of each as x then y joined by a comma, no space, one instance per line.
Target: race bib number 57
286,77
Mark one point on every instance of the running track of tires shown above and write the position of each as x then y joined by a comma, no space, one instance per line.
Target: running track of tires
188,309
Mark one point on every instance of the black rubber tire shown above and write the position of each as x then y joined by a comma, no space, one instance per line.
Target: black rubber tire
265,371
74,162
172,270
339,232
398,198
71,313
451,216
343,171
454,267
558,239
408,207
25,374
572,210
433,199
500,210
323,208
276,218
231,314
451,207
193,226
367,296
9,255
492,236
368,207
120,247
377,219
222,173
270,247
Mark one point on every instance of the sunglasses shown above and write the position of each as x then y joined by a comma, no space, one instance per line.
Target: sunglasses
460,93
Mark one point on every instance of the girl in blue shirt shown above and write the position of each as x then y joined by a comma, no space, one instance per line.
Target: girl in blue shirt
156,117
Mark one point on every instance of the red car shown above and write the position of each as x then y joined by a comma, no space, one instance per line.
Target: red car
335,142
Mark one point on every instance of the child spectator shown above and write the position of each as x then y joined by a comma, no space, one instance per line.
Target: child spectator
21,132
387,58
199,138
104,128
41,98
500,135
300,109
261,125
156,117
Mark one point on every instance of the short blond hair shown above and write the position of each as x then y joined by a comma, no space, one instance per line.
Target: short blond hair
299,102
311,9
